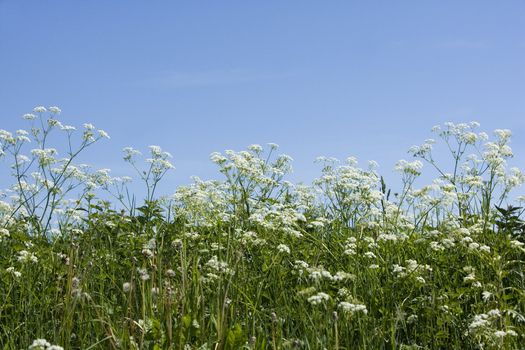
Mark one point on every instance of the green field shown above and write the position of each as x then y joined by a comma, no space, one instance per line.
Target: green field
253,261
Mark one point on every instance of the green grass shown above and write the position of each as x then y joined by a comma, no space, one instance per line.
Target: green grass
254,262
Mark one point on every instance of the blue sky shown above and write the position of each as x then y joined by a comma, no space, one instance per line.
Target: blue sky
335,78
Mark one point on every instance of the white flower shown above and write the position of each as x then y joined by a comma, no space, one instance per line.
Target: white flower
413,168
485,248
479,321
218,158
12,271
103,134
283,248
54,110
370,255
143,273
29,116
39,344
255,148
352,308
39,109
25,256
68,128
471,277
500,334
494,313
3,233
341,275
411,319
89,126
318,298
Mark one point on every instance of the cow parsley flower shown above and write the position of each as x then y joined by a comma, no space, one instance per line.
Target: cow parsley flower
370,255
486,295
13,272
40,109
54,110
4,233
25,256
283,248
42,344
352,308
89,126
103,134
318,298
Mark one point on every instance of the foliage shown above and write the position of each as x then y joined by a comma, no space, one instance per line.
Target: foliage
254,261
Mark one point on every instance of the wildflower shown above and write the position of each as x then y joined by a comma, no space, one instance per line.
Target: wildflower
218,265
126,287
500,334
39,344
412,168
469,278
436,246
479,321
318,298
370,255
473,245
4,233
486,295
103,134
484,248
191,235
147,253
29,116
255,148
12,271
42,344
54,110
76,291
353,308
39,109
341,275
195,324
143,274
283,248
464,231
412,319
448,242
25,256
494,313
385,237
176,244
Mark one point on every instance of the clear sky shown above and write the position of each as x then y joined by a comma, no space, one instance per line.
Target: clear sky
335,78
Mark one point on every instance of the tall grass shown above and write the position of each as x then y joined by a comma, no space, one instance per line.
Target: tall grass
253,261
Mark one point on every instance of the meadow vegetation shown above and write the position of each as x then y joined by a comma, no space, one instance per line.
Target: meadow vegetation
253,261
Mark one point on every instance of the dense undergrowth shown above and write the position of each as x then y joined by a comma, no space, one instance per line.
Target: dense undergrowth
253,261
